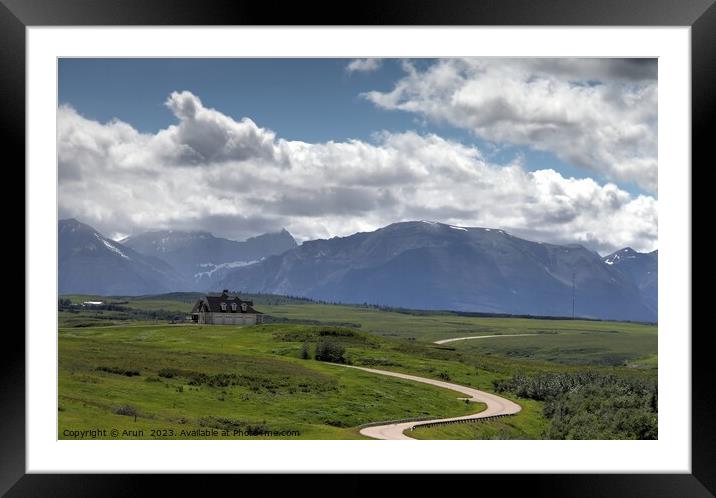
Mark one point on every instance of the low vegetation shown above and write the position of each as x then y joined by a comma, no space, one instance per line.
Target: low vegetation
330,351
119,371
126,410
590,405
201,372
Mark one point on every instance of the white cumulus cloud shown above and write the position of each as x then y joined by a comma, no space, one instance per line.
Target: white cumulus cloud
212,172
597,114
364,65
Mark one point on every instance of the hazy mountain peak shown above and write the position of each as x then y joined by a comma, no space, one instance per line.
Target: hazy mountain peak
202,257
621,254
641,268
89,262
73,224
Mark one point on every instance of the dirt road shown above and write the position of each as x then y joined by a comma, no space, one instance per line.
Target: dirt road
445,341
495,406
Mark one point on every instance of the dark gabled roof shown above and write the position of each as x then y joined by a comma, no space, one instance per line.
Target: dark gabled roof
213,303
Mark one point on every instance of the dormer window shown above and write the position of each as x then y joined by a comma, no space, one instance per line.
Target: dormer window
223,306
233,306
243,307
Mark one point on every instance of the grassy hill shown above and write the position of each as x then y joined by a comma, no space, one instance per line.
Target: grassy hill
126,367
190,377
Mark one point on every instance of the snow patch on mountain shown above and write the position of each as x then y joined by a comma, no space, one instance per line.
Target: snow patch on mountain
110,246
214,267
626,253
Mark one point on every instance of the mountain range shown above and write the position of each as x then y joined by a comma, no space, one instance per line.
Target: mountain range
427,265
153,262
422,265
202,259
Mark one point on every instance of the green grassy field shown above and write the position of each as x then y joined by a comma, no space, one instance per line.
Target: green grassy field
129,369
565,341
189,377
577,347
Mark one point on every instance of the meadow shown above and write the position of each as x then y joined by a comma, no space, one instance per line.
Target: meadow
136,366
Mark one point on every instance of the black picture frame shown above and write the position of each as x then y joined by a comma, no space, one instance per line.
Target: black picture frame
16,15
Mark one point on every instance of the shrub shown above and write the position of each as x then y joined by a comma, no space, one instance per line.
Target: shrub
230,424
444,376
591,405
168,373
382,362
335,332
330,351
305,354
334,422
127,410
119,371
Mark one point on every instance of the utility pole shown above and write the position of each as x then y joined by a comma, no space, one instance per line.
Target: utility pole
572,295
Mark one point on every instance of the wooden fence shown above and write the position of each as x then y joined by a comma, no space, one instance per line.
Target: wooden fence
461,421
397,421
433,424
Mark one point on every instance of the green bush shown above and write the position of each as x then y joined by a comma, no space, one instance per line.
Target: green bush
255,382
230,424
335,332
330,351
305,354
119,371
378,362
170,373
127,410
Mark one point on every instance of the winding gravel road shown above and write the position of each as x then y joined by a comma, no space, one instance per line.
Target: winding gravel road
445,341
495,406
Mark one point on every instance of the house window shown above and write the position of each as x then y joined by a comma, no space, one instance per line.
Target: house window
233,306
223,306
243,307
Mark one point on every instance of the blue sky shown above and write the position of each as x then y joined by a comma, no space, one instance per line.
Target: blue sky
280,94
312,100
556,150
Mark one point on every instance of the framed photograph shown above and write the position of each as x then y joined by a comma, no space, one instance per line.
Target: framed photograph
273,241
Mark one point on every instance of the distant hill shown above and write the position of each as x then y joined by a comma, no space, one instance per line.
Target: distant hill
90,263
642,268
429,265
203,259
